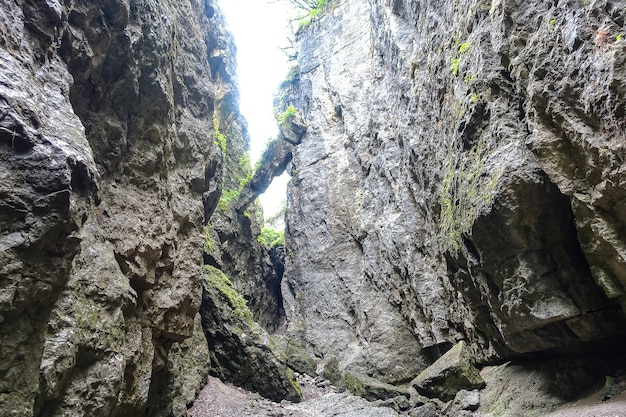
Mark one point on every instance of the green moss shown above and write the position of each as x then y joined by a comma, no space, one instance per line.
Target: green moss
455,63
331,371
499,407
220,139
454,66
292,378
227,198
209,247
466,192
465,46
552,23
353,384
297,358
217,280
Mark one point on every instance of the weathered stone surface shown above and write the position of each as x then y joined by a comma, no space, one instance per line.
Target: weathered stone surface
458,180
295,356
241,351
451,373
464,401
232,234
426,410
543,384
106,155
275,158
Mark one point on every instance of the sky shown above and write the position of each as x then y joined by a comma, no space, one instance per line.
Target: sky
260,29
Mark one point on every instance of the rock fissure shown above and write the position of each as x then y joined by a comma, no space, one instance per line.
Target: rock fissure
456,200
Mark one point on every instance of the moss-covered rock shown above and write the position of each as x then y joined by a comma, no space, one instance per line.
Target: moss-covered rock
372,389
241,351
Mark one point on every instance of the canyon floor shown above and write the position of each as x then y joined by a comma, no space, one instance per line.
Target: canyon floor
218,399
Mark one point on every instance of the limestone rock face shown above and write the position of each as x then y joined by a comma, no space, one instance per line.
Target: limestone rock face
107,154
461,177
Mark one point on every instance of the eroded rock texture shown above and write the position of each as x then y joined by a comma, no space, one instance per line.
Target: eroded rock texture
462,177
106,155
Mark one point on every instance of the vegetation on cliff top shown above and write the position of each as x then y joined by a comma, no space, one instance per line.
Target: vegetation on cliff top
270,237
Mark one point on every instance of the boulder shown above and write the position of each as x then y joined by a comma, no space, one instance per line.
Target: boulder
464,401
241,351
425,410
371,388
450,374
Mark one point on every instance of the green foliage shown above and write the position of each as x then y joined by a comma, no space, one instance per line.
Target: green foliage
465,46
227,198
454,66
312,14
245,164
271,237
618,37
220,139
294,383
287,115
456,62
552,23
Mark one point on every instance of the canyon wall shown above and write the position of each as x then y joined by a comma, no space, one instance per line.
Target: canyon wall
462,177
107,154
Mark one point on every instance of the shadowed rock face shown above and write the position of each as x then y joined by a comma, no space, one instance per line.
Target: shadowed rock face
461,177
106,155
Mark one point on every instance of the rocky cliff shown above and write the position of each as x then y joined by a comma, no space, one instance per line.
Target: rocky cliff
461,178
110,166
457,175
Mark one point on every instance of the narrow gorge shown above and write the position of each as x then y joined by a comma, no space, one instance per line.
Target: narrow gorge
457,205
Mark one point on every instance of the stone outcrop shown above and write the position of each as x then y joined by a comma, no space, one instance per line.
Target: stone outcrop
241,351
107,154
461,178
451,373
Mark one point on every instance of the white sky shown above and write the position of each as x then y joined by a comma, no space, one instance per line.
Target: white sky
260,28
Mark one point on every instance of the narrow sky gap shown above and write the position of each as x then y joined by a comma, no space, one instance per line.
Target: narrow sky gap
260,29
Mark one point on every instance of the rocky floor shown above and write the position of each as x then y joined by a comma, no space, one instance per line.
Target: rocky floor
218,399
